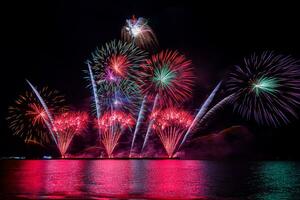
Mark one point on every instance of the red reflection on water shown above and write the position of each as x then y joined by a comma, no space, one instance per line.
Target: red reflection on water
31,182
82,179
175,179
148,179
64,177
110,178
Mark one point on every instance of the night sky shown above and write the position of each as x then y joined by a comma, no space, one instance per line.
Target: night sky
48,44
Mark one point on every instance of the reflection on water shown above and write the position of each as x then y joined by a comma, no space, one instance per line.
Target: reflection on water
157,179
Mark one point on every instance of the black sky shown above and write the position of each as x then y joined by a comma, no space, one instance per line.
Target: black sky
48,42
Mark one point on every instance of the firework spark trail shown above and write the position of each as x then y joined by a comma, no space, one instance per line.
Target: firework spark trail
138,122
46,109
150,124
200,114
94,86
216,107
96,99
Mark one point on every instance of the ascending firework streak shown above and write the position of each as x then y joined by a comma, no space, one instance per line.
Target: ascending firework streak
150,123
216,108
138,122
201,112
96,99
94,86
46,110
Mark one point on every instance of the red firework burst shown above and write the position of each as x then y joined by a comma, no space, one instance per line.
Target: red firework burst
119,65
112,125
170,124
67,125
168,74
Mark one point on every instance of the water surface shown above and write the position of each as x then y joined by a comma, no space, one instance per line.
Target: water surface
144,179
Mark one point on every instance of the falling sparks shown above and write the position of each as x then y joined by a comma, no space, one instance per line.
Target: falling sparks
67,125
170,125
113,125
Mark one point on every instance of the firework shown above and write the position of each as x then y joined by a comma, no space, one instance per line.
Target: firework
138,123
124,96
29,119
150,123
67,125
200,113
116,60
112,125
170,124
138,31
266,88
94,88
169,75
208,115
113,72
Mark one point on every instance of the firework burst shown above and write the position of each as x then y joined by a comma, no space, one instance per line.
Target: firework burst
67,125
114,69
170,124
28,119
123,96
138,31
115,61
266,88
113,125
168,74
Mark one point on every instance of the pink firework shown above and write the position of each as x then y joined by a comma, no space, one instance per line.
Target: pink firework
112,125
170,124
169,75
67,125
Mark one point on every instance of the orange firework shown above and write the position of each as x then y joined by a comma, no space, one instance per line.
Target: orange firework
28,119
